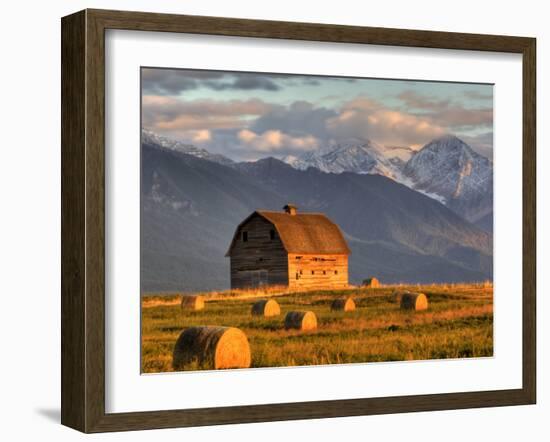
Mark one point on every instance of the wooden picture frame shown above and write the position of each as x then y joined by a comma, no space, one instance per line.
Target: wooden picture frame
83,220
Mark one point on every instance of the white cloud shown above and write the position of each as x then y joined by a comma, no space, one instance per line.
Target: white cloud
201,136
366,119
252,128
276,140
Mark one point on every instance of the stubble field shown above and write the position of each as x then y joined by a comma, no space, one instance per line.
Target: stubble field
457,324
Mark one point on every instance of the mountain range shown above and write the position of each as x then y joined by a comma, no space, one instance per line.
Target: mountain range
354,156
446,169
191,203
151,138
451,169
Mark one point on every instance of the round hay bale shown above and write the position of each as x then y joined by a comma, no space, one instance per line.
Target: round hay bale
345,304
301,320
398,295
212,347
414,301
371,282
192,302
266,307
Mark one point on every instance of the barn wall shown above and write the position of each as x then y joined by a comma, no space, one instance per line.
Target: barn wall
318,271
260,260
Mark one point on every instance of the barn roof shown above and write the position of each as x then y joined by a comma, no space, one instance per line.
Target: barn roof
307,233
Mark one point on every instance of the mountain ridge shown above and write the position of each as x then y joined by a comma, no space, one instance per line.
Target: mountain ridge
358,156
446,169
150,137
450,168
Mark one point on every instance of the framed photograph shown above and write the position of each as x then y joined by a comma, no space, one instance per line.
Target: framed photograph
267,221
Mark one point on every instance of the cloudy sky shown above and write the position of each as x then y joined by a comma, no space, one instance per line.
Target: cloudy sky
247,116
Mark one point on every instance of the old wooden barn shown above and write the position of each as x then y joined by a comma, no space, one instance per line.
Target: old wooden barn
298,250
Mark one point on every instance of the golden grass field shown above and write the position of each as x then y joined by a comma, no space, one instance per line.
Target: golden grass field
457,324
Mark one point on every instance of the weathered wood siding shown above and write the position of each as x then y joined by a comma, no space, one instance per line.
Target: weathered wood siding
318,271
262,259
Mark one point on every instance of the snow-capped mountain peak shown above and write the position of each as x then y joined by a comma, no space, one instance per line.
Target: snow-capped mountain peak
450,168
358,156
446,169
150,137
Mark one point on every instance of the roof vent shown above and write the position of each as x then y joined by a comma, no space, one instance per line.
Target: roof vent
291,209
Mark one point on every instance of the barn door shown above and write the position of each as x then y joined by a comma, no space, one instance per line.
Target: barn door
260,278
254,278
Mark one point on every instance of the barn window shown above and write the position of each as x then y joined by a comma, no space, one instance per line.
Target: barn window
272,234
297,276
301,272
245,236
324,272
313,272
336,272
